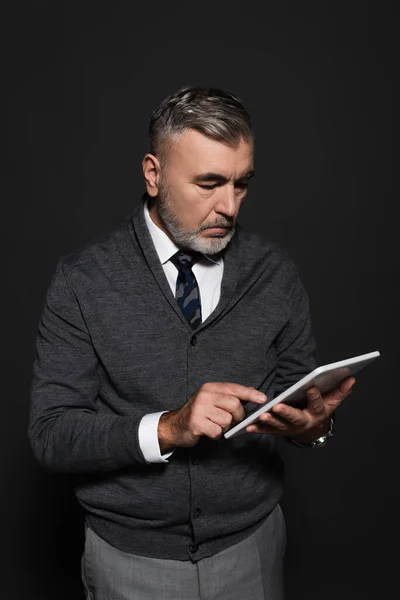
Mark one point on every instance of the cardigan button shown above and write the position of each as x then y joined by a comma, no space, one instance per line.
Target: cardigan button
194,547
193,340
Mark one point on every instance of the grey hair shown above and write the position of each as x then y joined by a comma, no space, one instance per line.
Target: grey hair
211,111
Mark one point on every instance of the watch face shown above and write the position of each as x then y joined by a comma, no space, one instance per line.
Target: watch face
323,439
319,444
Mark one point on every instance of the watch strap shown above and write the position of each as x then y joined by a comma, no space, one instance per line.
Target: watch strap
320,441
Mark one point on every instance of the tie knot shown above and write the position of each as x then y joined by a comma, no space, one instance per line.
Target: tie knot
185,258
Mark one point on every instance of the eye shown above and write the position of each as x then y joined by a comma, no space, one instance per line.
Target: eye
207,187
242,186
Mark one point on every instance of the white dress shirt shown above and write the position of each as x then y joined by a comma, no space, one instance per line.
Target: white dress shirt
208,273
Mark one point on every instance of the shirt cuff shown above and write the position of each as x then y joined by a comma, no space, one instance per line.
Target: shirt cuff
148,438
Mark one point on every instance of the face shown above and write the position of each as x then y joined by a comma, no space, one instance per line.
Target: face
203,188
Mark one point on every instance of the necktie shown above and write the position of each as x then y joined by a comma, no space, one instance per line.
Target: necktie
187,290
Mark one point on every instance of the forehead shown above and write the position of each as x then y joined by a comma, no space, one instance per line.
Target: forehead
194,152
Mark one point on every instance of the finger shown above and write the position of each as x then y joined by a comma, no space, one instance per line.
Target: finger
232,405
273,421
262,428
347,385
315,402
220,417
252,395
212,430
241,392
341,392
291,415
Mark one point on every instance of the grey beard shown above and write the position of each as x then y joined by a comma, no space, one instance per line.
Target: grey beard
189,240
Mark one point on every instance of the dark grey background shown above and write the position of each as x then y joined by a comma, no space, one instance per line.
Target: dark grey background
81,79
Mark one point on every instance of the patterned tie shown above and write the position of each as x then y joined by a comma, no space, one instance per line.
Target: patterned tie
187,290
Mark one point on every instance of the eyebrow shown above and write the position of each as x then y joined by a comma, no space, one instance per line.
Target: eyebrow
218,178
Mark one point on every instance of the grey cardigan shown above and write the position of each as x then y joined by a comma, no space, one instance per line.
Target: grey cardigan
112,345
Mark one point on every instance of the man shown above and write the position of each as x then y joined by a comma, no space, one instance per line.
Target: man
155,339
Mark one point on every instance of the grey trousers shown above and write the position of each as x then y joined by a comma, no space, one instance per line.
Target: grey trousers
249,570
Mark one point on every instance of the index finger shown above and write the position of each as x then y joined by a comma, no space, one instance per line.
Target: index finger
252,394
242,392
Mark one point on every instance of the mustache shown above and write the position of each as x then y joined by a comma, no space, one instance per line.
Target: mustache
223,225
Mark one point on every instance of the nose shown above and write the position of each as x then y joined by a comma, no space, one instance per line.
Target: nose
227,201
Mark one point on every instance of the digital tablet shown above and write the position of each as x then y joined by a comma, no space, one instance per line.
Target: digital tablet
326,378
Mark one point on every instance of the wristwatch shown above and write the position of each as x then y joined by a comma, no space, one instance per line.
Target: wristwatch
321,441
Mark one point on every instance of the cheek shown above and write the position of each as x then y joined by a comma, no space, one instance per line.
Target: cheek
195,207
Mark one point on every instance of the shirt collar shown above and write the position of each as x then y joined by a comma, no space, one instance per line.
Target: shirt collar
165,247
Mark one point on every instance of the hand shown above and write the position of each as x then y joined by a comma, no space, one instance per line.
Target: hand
303,425
210,412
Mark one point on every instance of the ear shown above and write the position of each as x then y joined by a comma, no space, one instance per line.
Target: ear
151,173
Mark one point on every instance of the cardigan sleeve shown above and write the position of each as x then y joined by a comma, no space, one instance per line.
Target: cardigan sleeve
66,432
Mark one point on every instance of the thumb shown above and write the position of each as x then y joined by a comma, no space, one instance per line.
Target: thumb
336,396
